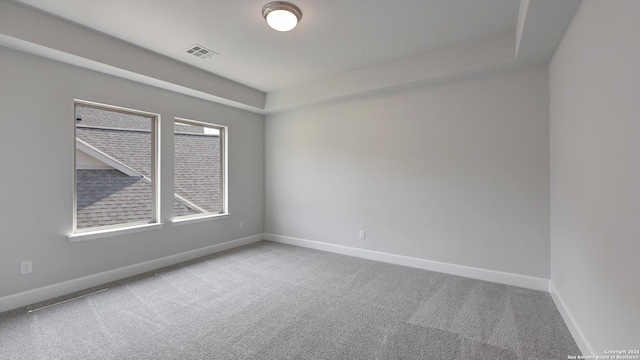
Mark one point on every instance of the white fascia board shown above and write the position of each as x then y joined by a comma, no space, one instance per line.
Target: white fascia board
188,203
100,156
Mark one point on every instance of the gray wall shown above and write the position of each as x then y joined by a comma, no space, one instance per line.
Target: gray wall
457,173
595,172
36,162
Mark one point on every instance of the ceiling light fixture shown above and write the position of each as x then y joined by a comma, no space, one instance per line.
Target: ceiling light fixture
281,16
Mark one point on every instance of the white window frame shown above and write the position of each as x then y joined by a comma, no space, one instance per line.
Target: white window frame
126,228
224,134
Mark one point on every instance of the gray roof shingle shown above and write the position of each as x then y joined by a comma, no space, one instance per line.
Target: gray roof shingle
111,119
109,197
132,148
197,174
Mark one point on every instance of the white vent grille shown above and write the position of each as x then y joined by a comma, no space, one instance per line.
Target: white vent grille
200,51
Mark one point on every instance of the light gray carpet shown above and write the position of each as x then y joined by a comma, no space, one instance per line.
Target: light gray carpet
273,301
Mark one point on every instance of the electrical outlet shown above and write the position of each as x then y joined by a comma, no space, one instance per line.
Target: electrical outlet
241,224
26,267
362,234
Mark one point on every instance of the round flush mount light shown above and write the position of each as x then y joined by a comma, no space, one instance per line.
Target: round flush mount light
281,16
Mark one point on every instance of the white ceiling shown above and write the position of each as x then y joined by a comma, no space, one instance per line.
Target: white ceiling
334,36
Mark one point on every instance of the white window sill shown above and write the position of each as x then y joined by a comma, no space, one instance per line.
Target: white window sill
99,234
189,219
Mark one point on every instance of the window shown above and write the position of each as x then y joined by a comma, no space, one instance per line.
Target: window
116,168
199,169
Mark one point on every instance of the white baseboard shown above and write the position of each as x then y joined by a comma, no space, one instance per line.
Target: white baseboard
524,281
67,287
584,345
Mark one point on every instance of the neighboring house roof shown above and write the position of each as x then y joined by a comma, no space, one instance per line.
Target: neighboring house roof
111,119
197,163
114,196
103,160
130,147
107,197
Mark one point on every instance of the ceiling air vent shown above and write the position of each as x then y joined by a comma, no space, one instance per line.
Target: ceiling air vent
200,52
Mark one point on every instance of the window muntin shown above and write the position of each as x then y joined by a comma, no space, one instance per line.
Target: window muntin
199,169
115,167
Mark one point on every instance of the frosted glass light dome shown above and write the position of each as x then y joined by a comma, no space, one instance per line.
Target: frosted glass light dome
281,16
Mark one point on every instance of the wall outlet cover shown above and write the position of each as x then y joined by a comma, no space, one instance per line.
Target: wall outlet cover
26,267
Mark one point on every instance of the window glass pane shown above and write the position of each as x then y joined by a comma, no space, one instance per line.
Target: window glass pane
114,168
198,169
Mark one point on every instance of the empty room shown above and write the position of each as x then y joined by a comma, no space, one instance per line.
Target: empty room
418,179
